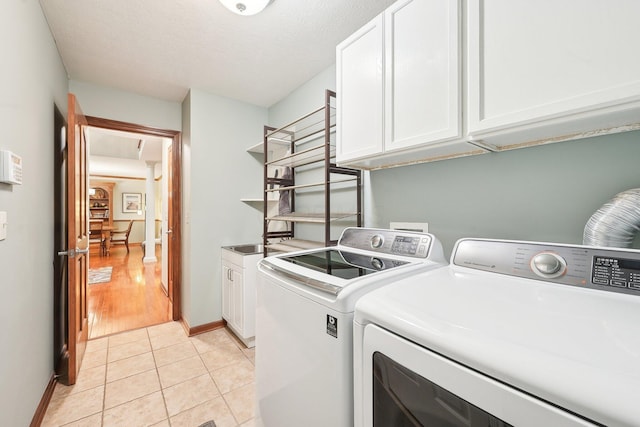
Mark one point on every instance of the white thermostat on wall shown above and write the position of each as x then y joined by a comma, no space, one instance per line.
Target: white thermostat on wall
10,167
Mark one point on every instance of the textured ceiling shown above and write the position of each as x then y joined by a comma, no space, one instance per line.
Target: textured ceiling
161,48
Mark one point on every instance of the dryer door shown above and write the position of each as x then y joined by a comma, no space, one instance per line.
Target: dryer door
408,385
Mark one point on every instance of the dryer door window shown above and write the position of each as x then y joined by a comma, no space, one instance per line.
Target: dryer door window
403,398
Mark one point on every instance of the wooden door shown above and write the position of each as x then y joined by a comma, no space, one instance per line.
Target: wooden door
60,290
77,238
169,230
173,226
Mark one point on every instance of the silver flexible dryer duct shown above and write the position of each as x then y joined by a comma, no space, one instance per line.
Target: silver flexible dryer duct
616,223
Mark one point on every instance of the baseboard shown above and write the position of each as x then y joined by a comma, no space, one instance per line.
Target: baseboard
201,329
44,403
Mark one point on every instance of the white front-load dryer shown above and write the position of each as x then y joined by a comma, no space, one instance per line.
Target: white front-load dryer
511,333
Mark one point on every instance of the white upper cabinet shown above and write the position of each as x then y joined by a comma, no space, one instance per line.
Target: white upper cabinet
549,70
535,72
402,70
422,73
360,92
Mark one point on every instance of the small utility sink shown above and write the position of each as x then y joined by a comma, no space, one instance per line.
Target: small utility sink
247,249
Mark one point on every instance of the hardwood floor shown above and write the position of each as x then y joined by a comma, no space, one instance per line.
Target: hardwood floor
134,297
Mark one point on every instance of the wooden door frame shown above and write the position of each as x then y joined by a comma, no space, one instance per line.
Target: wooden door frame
176,207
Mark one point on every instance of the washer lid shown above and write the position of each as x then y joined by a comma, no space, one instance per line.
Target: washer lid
343,264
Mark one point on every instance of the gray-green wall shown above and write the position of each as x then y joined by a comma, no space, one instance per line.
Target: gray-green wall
115,104
544,193
32,80
218,172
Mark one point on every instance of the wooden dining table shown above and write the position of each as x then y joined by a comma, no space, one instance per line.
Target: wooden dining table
106,234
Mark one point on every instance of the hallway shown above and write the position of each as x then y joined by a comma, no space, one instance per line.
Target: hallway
152,374
132,299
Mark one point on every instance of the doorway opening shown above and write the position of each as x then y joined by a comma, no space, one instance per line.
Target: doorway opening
136,283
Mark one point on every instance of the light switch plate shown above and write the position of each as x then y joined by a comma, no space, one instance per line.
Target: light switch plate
3,225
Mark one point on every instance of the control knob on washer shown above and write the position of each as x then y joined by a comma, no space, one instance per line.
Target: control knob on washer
548,265
377,241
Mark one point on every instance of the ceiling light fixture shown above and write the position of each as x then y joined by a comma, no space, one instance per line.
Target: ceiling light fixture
245,7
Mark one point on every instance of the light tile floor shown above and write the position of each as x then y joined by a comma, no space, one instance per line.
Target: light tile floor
157,376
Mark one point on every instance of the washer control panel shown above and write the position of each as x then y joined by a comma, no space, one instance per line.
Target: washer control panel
615,270
619,272
393,242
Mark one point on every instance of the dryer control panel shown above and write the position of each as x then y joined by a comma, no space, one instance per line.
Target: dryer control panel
615,270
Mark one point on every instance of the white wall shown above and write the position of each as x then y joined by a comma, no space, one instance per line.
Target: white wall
32,79
218,172
129,186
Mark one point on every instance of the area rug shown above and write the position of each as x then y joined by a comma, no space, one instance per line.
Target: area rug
100,275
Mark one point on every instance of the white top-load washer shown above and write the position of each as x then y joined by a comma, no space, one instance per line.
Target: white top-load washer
304,321
510,333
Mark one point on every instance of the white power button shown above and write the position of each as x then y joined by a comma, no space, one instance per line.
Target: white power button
377,241
548,265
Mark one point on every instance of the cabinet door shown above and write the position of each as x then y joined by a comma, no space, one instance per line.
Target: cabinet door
360,93
422,73
539,61
226,292
237,301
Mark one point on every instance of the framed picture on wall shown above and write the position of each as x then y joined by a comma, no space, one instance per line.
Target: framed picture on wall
131,202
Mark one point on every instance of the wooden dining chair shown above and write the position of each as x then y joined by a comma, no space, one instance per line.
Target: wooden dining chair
122,236
96,237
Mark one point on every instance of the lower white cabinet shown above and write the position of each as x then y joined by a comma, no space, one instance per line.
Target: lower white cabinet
239,294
